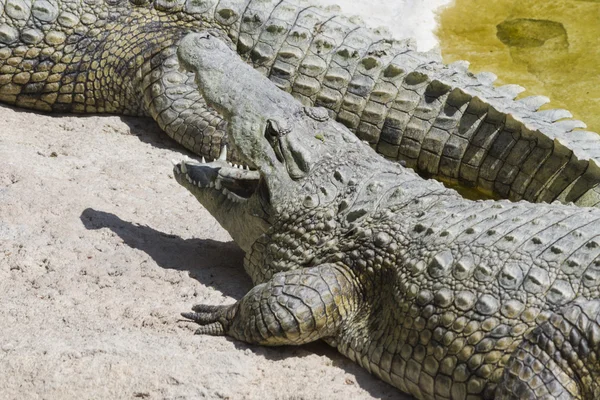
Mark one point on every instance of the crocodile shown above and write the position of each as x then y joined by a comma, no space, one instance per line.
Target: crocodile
440,296
119,56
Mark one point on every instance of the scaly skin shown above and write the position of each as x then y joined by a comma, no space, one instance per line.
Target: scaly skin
118,56
442,297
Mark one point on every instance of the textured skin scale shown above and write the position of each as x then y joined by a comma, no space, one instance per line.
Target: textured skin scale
118,56
95,56
442,297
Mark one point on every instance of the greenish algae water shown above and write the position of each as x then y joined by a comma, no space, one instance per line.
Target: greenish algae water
550,47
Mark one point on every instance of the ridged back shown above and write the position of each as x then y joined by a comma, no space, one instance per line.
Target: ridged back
445,122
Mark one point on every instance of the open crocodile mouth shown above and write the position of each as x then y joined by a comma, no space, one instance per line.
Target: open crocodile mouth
236,182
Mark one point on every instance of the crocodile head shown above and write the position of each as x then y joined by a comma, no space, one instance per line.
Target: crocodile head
229,192
280,140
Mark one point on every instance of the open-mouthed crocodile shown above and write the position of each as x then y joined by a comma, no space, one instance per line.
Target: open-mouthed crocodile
442,297
118,56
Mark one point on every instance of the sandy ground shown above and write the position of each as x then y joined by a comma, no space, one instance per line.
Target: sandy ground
100,249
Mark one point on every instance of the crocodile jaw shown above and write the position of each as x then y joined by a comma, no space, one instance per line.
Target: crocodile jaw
229,193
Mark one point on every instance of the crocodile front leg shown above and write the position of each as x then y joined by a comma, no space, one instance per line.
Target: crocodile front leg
294,307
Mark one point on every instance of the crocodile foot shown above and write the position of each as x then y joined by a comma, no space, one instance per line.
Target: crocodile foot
212,319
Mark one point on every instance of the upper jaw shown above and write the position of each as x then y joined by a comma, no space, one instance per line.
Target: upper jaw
236,182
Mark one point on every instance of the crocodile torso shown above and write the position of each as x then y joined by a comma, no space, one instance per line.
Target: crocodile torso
442,297
119,56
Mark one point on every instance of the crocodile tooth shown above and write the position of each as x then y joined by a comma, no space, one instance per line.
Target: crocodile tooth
218,185
203,160
183,168
231,196
176,165
223,155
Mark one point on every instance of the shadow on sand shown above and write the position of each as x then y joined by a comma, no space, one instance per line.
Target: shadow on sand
226,275
144,128
213,263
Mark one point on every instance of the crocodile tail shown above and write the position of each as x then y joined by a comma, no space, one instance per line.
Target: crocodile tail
442,120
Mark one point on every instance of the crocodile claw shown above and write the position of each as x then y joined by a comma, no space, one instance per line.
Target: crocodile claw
209,317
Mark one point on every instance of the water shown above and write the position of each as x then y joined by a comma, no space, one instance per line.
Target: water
551,47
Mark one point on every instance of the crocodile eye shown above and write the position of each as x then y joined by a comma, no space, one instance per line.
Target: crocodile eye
278,127
272,134
272,129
